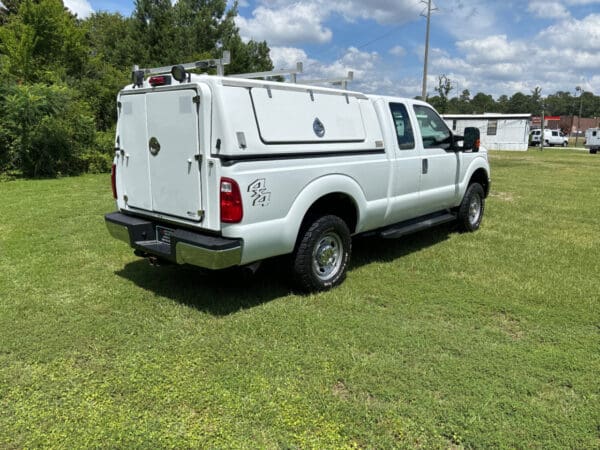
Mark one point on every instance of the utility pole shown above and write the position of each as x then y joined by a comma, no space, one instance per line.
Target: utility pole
542,135
429,10
578,89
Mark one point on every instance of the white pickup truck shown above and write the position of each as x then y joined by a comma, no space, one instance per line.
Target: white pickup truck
220,171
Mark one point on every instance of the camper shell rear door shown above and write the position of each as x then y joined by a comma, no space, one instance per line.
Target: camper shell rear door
159,137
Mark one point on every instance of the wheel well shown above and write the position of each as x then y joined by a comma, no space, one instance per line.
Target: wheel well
337,204
480,176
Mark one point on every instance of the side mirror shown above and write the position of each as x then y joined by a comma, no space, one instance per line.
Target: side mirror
471,139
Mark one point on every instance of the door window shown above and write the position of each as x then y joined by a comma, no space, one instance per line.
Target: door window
434,132
404,132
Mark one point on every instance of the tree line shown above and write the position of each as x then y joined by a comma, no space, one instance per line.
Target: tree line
560,103
59,75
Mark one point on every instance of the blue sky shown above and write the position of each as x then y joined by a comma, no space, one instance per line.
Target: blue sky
497,47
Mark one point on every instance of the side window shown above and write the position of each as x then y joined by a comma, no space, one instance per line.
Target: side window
492,127
434,131
594,133
404,132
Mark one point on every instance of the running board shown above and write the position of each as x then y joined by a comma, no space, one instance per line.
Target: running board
415,225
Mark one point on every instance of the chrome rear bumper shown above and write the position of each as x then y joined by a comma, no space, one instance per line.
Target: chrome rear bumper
181,246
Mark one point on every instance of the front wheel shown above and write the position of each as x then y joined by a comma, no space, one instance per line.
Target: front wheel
470,211
320,260
564,144
593,151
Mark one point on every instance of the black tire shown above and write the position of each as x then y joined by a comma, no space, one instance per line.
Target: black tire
470,211
546,143
564,144
321,257
593,151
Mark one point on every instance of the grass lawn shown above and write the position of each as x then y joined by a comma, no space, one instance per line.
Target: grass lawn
440,339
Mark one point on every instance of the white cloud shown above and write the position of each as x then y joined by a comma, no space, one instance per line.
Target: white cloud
467,18
81,8
287,57
382,11
574,34
299,22
555,59
397,50
487,54
290,22
547,9
492,49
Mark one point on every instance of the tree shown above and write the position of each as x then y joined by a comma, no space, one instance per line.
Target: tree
535,101
502,104
111,38
154,31
8,8
443,89
519,103
43,42
482,103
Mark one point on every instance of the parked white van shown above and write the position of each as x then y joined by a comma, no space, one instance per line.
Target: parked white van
220,171
551,138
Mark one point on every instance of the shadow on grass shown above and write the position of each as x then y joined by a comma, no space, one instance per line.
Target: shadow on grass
225,292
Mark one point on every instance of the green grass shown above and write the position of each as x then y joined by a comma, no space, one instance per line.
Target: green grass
440,339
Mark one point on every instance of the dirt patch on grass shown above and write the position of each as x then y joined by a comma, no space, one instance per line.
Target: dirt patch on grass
504,196
341,390
510,326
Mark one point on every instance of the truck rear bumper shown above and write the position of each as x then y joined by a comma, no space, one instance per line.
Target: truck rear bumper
175,244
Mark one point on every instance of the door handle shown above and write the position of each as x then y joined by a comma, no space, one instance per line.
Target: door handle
425,165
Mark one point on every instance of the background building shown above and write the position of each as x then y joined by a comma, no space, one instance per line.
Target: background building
498,131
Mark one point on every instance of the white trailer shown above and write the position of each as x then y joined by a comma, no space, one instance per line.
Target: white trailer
592,140
498,131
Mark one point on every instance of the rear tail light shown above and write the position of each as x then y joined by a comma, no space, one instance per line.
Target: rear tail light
113,180
160,80
232,210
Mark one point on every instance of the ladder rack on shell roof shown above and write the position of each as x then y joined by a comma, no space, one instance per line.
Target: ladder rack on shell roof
205,64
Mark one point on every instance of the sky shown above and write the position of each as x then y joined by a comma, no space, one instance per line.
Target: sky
495,47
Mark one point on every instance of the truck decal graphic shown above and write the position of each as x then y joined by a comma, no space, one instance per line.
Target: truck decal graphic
260,195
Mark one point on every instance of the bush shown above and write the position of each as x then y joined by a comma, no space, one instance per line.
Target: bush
99,159
47,130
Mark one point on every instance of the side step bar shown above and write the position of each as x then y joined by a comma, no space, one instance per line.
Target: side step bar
415,225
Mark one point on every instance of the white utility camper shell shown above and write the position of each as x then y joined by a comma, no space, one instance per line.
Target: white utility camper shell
220,171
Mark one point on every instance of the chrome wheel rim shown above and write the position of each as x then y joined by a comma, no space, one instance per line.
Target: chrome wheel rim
474,209
327,256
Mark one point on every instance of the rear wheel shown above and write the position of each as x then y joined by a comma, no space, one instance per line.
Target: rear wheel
320,260
470,211
593,151
564,144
